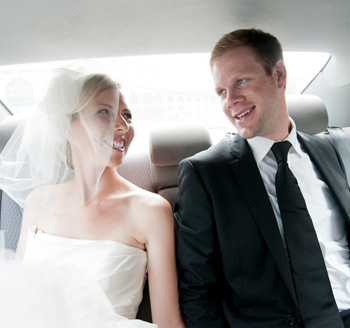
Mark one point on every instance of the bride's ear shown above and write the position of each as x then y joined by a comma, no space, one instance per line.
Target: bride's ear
69,158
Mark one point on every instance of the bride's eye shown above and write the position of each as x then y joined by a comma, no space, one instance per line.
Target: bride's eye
127,117
104,111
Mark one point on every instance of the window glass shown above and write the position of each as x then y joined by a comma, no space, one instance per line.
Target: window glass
159,89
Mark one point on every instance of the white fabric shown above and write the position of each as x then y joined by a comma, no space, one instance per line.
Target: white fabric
325,213
72,283
37,154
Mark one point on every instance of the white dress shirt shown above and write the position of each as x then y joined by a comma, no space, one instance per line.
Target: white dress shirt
329,223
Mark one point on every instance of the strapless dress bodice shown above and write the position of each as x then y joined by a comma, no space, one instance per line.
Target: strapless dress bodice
119,269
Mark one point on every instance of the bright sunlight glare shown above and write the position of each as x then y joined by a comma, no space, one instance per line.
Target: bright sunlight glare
160,88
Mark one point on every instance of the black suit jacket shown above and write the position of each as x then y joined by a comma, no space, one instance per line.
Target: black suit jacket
233,269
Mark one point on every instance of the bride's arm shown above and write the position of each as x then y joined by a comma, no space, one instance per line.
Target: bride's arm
162,274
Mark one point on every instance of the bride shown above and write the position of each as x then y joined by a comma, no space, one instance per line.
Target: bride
88,236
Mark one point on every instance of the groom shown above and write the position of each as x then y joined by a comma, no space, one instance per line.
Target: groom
249,253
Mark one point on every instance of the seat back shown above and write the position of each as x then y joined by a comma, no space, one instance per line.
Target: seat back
155,169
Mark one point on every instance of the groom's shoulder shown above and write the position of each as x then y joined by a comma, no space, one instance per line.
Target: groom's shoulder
221,151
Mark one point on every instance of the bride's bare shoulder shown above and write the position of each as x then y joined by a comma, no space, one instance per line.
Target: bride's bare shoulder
38,195
148,200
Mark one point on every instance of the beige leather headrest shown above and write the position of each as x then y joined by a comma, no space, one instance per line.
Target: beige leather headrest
308,112
168,146
171,143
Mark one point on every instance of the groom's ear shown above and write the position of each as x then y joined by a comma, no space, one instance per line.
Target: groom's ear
281,73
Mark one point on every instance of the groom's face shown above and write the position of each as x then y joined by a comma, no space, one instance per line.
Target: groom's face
250,98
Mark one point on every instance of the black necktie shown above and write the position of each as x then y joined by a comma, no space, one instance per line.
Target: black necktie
315,297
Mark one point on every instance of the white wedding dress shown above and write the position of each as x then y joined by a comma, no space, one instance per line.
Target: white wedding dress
75,283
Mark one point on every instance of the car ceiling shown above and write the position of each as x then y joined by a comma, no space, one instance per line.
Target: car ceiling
47,30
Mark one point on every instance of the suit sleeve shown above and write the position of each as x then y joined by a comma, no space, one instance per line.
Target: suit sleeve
198,254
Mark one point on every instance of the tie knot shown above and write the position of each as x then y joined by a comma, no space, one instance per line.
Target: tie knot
280,150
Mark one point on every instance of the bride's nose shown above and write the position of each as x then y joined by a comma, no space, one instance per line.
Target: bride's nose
121,125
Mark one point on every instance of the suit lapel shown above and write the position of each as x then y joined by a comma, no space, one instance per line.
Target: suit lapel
249,179
321,158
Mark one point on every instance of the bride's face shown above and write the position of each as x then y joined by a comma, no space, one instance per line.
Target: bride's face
123,132
103,130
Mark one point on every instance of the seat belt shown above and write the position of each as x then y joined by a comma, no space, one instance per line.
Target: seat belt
342,145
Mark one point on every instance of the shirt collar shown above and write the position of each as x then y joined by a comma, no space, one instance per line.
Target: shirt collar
260,146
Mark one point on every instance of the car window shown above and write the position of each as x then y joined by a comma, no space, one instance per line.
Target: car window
159,89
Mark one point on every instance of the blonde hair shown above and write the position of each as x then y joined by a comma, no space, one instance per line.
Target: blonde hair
93,85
